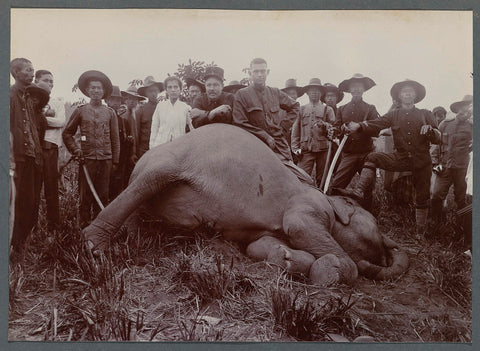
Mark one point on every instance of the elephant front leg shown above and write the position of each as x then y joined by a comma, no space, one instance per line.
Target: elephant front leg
307,231
278,252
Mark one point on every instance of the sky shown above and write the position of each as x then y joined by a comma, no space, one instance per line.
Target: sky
434,48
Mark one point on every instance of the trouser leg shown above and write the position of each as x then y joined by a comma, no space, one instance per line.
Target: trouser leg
101,182
28,185
345,172
320,161
307,161
50,185
459,186
86,196
440,190
421,183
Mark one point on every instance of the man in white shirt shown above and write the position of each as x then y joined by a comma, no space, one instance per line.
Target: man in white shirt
171,116
55,115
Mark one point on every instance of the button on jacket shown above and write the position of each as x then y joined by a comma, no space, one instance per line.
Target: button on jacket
99,136
308,132
357,111
203,103
456,144
144,123
406,126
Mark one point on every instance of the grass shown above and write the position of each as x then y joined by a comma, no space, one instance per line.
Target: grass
165,284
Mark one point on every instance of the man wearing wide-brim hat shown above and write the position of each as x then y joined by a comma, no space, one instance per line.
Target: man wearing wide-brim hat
309,132
413,130
451,157
332,97
233,87
195,88
100,145
150,89
292,89
358,145
439,113
215,105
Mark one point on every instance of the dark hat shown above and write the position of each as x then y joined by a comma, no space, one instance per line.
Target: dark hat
40,90
419,89
88,76
357,77
315,82
329,87
456,106
191,81
213,71
292,84
132,92
234,84
148,82
115,91
439,109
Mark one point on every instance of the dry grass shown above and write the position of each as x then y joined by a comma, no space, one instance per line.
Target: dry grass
165,284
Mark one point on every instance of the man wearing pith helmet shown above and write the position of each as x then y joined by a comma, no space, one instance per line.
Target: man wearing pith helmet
413,130
99,147
358,145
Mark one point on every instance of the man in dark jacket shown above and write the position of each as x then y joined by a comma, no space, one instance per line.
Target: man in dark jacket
451,157
358,145
257,110
215,105
100,144
27,127
332,97
413,130
150,89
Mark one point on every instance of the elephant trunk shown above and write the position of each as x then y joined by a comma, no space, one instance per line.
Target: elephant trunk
397,258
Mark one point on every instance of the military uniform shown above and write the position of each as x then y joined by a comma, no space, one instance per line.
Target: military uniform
100,146
309,134
144,124
453,155
258,111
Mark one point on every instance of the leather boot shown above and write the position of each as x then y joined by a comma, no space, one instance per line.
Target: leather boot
421,215
364,184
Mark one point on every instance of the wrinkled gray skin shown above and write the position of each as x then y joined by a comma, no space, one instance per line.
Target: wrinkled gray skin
222,175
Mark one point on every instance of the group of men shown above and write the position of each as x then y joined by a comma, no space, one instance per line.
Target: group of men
108,140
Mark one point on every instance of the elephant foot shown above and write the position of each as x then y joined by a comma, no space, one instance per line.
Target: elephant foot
96,238
325,271
293,261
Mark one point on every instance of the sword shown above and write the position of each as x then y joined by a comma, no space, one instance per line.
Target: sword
334,162
92,188
325,169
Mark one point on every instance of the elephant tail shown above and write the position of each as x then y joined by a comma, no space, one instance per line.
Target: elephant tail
398,263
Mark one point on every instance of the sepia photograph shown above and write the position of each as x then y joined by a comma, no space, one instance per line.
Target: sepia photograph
240,175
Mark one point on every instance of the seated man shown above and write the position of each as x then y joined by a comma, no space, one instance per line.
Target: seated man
257,110
215,105
413,130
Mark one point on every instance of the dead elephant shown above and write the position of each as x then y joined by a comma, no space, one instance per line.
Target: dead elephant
223,175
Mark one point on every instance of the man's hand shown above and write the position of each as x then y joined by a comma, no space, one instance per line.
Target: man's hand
134,159
121,110
114,167
78,154
350,127
271,143
49,113
196,113
297,152
219,111
130,139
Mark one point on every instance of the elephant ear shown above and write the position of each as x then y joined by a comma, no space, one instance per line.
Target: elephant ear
343,207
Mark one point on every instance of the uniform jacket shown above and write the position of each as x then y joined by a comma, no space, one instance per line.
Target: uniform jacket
144,124
203,103
406,126
259,113
457,137
99,136
357,111
27,125
309,132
